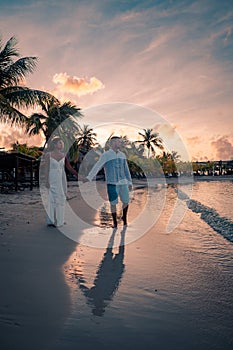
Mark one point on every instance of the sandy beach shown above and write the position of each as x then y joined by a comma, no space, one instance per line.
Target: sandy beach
35,265
34,296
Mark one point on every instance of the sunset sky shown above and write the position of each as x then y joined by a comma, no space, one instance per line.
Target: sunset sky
172,57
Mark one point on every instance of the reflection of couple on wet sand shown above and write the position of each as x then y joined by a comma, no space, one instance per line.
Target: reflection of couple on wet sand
108,276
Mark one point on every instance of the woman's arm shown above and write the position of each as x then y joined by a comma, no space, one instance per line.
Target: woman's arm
47,165
69,167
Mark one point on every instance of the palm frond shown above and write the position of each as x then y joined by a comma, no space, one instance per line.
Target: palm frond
22,97
9,113
12,95
35,124
69,109
8,52
17,71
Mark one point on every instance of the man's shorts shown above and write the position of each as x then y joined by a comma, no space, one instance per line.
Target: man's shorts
118,190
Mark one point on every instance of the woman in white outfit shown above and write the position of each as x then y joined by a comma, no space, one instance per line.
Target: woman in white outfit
56,183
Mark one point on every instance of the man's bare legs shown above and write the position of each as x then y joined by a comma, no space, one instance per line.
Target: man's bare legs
114,215
125,208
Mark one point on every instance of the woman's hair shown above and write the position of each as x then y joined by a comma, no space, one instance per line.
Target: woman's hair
53,142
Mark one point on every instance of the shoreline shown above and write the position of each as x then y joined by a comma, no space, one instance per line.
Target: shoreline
182,179
213,178
35,297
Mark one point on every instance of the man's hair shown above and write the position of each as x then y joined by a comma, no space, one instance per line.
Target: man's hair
114,138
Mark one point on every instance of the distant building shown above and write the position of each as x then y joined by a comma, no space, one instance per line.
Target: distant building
17,171
219,167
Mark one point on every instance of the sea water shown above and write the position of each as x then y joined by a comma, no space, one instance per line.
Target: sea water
163,291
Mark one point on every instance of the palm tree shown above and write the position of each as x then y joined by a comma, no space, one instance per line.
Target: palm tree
175,156
14,95
25,149
86,139
131,148
151,140
57,120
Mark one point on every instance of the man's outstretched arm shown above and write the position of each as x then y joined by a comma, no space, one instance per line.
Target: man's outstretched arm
96,168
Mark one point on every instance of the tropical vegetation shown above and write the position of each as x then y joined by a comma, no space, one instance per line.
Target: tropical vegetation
61,119
25,149
146,157
150,141
86,139
15,96
57,120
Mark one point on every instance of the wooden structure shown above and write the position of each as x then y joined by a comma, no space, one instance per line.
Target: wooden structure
17,170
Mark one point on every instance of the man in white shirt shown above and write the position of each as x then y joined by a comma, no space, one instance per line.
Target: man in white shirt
117,177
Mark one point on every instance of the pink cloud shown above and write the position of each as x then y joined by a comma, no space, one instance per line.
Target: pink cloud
75,85
9,135
223,147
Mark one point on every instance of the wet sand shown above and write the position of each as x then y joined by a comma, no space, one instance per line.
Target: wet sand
35,298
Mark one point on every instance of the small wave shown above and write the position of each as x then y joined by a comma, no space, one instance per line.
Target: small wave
220,224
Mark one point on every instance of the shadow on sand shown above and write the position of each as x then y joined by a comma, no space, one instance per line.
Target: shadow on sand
108,276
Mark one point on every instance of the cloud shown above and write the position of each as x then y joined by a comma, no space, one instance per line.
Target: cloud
9,135
159,40
193,140
228,34
166,129
223,147
174,59
200,158
75,85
